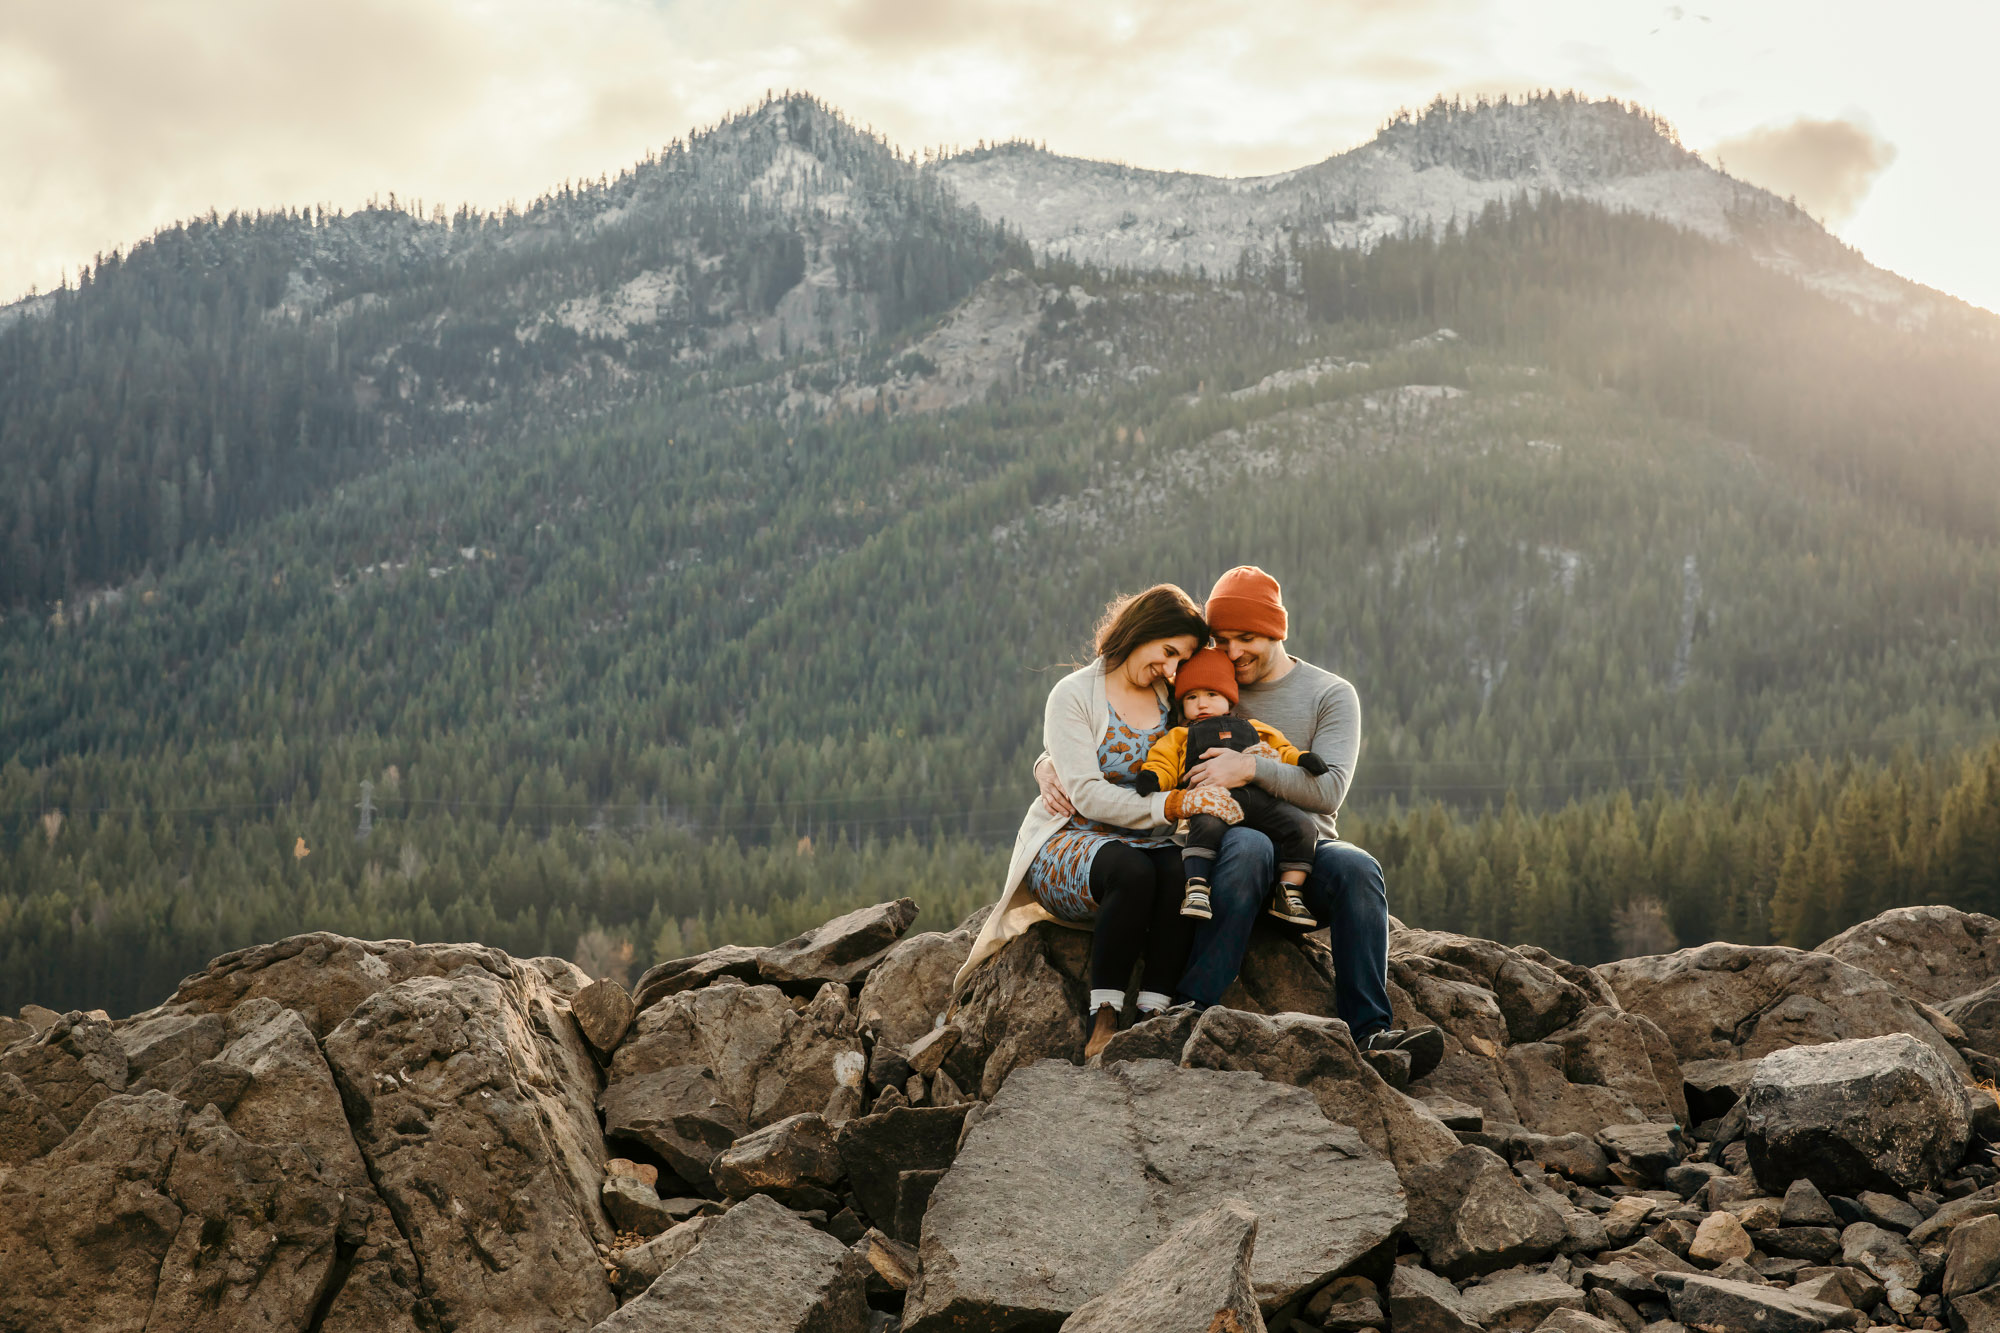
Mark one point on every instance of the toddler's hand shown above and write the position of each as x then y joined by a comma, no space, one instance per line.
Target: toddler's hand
1204,801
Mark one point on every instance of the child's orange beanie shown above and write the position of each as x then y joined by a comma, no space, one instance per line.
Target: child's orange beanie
1209,669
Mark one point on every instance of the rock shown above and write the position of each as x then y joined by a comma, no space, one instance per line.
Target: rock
894,1262
1576,1156
1283,973
910,986
1518,1299
1576,1321
928,1052
633,1205
913,1199
1613,1309
1318,1055
1740,1001
1470,1215
1161,1037
789,1160
27,1127
1712,1087
1933,954
639,1267
1880,1113
1817,1245
1542,1095
1626,1216
692,973
1719,1239
1535,1000
841,951
875,1150
1691,1178
768,1059
1977,1311
1973,1257
1629,1055
604,1013
645,1174
1805,1206
1888,1211
1346,1305
1025,1004
162,1050
1196,1281
38,1018
755,1269
1144,1146
1454,1114
1977,1014
677,1113
1715,1305
470,1098
1883,1255
1422,1302
1980,1203
1650,1149
75,1063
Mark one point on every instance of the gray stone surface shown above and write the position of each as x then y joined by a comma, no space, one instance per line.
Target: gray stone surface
842,950
1318,1055
907,990
1741,1001
1422,1302
1933,954
1519,1299
635,1206
1711,1303
1650,1149
1880,1113
679,1114
875,1150
1162,1037
470,1098
74,1064
1470,1215
1025,1004
1973,1257
641,1265
1143,1147
756,1269
691,973
27,1127
1196,1281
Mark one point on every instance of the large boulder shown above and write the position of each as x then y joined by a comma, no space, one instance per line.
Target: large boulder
1534,1000
1885,1113
1703,1302
877,1151
1025,1004
841,951
1319,1055
1196,1281
470,1096
683,974
1283,972
756,1269
73,1065
1932,954
677,1113
1122,1156
769,1057
1740,1001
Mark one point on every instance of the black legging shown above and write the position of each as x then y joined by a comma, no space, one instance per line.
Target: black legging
1138,895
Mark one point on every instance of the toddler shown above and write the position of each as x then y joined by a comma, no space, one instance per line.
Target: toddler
1205,688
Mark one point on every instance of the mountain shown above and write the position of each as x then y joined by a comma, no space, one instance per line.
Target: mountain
401,577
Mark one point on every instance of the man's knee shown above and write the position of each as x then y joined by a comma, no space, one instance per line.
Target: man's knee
1348,870
1243,868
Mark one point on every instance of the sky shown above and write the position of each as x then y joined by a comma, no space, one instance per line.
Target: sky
117,118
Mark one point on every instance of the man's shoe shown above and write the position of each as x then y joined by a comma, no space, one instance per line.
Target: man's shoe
1392,1065
1195,903
1425,1046
1287,905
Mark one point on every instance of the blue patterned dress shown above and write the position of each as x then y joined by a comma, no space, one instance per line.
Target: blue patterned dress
1059,876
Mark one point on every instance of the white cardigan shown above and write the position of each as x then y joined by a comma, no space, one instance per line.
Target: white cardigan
1074,722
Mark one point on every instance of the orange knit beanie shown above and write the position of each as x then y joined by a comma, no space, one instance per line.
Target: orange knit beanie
1246,601
1209,669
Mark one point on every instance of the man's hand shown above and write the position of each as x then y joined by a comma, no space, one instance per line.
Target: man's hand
1053,795
1222,768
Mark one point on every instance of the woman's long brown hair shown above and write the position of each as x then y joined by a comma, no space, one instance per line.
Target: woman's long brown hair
1163,611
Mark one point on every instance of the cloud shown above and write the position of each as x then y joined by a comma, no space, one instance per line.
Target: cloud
1828,166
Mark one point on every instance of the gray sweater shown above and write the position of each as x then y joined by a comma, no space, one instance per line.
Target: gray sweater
1317,711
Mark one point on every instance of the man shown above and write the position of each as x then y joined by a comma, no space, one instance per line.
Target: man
1317,711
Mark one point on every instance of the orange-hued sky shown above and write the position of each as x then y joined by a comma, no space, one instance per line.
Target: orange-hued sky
117,118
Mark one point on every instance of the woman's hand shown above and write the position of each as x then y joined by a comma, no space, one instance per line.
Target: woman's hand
1053,795
1222,768
1204,801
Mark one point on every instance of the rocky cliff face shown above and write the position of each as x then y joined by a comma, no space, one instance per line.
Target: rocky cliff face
333,1134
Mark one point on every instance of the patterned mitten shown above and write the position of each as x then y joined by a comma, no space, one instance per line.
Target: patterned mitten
1204,801
1262,750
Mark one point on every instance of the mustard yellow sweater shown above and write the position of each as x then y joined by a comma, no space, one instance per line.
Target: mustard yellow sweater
1167,760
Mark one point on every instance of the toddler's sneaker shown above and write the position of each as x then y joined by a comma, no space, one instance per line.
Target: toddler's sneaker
1287,905
1194,902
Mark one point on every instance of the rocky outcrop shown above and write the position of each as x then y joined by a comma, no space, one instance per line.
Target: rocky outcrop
338,1135
1740,1002
1931,954
1122,1156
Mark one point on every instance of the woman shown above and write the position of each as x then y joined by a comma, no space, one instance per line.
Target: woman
1112,865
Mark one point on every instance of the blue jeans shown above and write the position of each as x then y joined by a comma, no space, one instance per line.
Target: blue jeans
1345,891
